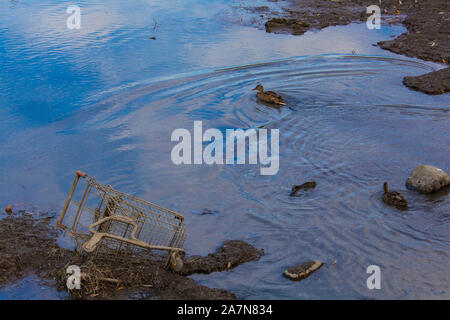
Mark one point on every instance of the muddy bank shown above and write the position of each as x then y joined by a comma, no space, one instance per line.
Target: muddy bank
109,278
28,246
435,82
427,21
229,256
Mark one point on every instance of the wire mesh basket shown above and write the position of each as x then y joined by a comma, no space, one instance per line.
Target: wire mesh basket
107,221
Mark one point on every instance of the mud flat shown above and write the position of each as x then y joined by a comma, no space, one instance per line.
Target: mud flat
28,246
427,21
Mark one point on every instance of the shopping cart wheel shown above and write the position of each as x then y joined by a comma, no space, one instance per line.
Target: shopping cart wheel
176,262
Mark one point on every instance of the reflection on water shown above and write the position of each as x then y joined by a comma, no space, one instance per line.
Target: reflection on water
31,288
107,99
47,71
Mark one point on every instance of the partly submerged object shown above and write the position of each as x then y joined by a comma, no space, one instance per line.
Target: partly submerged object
269,96
427,179
393,198
306,185
303,270
107,221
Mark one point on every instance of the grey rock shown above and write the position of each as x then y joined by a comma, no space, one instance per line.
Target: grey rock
427,179
303,270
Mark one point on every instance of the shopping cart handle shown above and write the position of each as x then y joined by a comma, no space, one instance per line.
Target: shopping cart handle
80,174
98,236
92,243
60,223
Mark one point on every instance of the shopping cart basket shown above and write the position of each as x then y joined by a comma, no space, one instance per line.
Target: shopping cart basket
107,221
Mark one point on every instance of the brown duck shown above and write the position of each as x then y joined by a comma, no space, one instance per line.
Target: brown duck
306,185
269,96
394,198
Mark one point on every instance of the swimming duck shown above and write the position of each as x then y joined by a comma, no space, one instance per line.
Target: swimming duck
306,185
393,198
269,96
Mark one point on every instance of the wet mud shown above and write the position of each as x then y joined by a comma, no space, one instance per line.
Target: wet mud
435,82
28,246
427,21
232,254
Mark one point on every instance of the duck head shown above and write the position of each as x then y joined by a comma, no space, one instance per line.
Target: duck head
385,187
259,88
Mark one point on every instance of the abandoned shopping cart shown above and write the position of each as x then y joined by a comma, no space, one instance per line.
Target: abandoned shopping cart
111,222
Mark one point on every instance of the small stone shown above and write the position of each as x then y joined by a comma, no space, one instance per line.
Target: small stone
427,179
303,270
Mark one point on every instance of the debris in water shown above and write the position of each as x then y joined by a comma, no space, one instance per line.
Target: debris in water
118,223
303,270
28,246
123,246
208,212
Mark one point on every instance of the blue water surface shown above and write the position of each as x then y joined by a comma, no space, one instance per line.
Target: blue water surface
105,99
